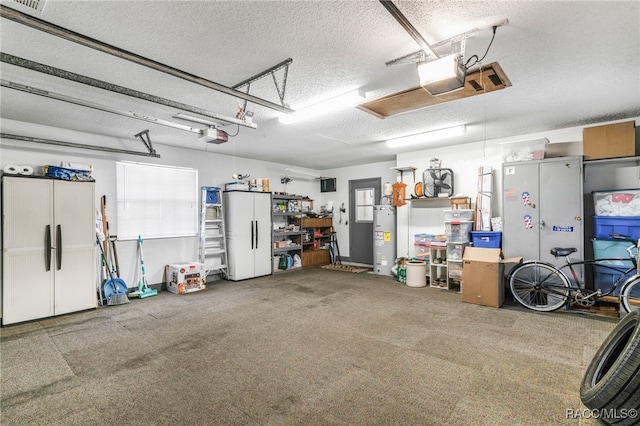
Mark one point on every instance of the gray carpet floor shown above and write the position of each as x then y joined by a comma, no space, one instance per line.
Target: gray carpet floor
314,347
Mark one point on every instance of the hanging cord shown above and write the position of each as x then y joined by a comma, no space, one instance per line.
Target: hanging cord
467,65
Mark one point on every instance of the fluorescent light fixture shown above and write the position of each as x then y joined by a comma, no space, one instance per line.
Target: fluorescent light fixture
301,172
427,136
347,100
442,75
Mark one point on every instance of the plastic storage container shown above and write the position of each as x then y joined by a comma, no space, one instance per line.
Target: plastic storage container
524,150
421,249
486,239
455,270
607,249
455,251
457,232
459,215
424,238
617,203
606,273
625,225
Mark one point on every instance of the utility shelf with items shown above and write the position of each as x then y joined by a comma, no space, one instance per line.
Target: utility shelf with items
438,275
458,226
287,234
455,250
316,240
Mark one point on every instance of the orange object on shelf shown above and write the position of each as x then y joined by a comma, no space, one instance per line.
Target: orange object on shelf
398,197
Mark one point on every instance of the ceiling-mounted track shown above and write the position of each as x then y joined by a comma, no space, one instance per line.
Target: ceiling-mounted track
76,145
93,105
413,32
39,24
78,78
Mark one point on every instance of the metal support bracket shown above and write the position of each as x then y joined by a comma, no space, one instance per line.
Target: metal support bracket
147,142
281,90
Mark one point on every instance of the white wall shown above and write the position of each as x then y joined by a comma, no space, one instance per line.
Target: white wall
465,160
213,170
341,196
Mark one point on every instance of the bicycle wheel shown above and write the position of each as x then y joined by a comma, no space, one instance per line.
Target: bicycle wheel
630,294
539,286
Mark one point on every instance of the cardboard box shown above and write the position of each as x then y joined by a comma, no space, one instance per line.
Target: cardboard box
610,141
483,272
183,278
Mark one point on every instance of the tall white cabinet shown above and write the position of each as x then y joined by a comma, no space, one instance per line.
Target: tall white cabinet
248,232
49,248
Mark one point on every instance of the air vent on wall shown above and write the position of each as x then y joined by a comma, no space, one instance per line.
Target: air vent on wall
32,4
485,79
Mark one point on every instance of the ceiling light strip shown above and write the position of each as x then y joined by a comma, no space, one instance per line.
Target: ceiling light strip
79,78
337,103
33,22
76,145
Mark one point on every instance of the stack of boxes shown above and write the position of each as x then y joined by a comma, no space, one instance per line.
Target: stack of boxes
617,212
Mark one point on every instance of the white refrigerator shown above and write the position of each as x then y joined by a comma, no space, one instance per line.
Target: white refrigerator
248,233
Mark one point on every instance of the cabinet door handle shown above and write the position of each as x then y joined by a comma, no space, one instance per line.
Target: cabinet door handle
256,235
47,248
252,235
59,247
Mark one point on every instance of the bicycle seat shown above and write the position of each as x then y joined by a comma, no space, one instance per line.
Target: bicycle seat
557,251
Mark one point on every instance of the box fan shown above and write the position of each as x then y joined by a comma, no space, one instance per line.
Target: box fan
437,182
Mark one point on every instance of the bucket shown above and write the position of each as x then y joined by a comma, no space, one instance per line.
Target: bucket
416,273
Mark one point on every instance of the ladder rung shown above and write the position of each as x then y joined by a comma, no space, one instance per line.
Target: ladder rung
217,267
209,253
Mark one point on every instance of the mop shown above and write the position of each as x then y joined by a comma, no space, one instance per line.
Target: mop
143,287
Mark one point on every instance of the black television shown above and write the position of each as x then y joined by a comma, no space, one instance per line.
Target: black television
327,184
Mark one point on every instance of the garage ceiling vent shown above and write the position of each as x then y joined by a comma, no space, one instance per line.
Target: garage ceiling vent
32,4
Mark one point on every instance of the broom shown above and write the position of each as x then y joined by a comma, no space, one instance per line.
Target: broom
143,287
115,289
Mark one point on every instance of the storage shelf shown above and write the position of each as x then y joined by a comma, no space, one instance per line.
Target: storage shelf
286,249
280,234
284,271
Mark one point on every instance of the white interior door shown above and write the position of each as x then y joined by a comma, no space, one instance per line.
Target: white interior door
28,280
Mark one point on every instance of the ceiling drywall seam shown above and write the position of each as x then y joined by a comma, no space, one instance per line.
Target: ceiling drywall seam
30,21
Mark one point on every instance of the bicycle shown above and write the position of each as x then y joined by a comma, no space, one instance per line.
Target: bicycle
544,287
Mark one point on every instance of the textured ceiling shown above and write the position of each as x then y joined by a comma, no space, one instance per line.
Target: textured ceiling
570,64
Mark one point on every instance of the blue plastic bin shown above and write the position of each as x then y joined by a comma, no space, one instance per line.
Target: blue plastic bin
212,194
625,225
486,239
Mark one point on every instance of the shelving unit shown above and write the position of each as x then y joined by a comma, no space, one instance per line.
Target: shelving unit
457,239
286,233
212,250
455,251
316,241
438,275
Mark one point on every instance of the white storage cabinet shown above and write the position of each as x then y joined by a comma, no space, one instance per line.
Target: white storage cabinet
248,231
49,248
